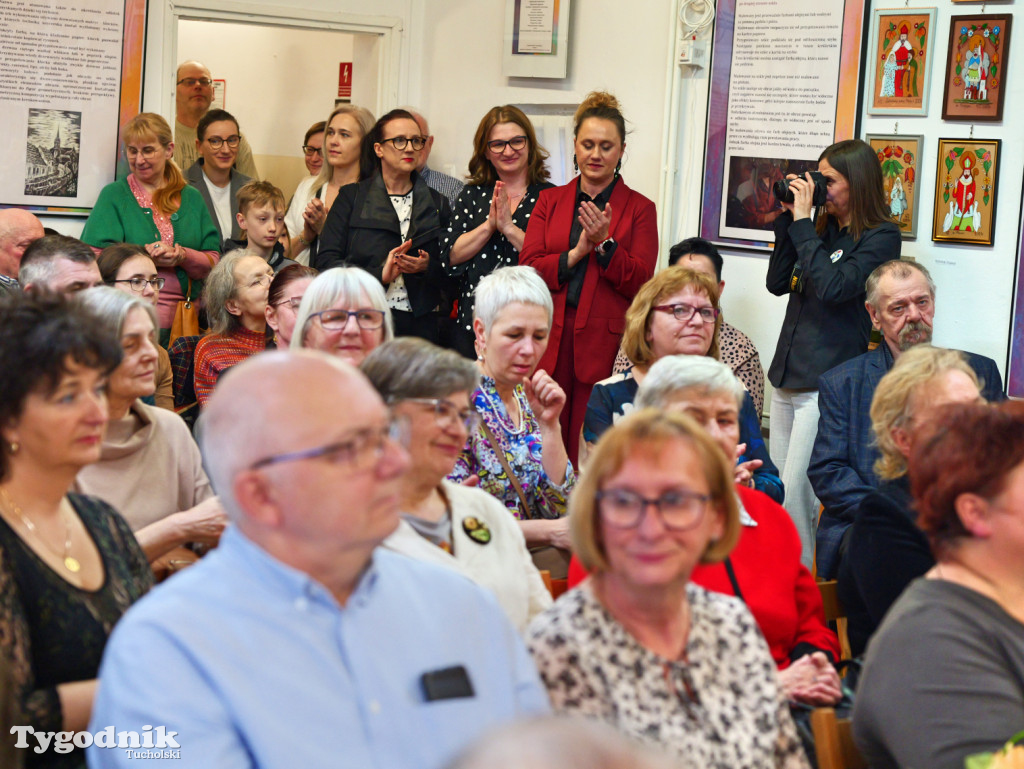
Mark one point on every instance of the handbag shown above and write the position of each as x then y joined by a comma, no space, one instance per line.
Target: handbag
186,314
545,557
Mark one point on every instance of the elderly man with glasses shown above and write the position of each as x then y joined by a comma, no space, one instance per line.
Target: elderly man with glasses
193,97
299,642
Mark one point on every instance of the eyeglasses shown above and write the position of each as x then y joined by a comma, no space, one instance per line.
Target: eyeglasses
189,82
400,142
336,320
308,150
263,281
679,510
217,142
360,451
447,414
146,152
498,145
139,284
685,312
295,302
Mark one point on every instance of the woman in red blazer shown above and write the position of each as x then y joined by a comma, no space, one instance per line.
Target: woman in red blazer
595,242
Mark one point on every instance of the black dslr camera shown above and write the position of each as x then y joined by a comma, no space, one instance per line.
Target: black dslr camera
784,194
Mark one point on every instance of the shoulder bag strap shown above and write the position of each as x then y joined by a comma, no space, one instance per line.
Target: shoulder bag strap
732,578
500,453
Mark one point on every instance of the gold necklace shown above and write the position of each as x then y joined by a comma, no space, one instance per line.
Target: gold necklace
70,562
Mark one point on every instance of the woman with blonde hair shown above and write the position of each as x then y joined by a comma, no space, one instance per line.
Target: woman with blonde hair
595,243
638,645
885,550
155,202
342,136
506,175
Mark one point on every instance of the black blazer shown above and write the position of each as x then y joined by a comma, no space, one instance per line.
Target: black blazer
362,228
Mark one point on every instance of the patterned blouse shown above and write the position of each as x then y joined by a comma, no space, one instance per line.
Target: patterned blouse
216,353
52,632
721,707
522,449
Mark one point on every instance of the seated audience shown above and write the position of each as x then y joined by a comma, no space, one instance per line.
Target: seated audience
193,97
214,174
734,347
517,451
127,267
886,550
69,565
447,185
235,297
149,466
944,677
261,221
676,313
18,229
155,201
507,173
764,569
457,526
402,663
391,224
341,158
637,645
284,297
59,264
343,313
901,303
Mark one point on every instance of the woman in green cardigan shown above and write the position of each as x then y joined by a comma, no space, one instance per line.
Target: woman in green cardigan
154,208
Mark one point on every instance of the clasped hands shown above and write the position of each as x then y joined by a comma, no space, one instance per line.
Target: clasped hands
164,255
400,262
596,225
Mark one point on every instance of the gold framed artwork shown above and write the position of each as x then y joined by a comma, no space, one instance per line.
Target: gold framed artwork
966,180
900,53
975,87
900,158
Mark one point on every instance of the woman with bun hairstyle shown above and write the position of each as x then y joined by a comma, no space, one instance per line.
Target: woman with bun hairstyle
595,242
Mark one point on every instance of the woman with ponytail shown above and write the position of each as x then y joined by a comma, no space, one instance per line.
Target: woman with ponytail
595,242
156,209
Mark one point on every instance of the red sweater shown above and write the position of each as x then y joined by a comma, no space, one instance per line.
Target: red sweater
215,354
779,590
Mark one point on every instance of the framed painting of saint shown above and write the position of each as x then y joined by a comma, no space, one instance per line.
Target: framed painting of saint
976,67
966,178
900,158
900,61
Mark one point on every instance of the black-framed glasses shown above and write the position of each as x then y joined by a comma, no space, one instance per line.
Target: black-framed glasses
498,145
216,142
360,450
336,320
447,414
401,142
189,82
679,509
310,150
685,312
139,284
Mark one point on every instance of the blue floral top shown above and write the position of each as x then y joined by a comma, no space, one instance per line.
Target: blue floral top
522,449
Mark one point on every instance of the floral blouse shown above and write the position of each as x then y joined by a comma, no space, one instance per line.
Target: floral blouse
720,708
522,448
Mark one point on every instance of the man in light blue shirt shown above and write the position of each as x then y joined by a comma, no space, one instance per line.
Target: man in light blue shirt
295,643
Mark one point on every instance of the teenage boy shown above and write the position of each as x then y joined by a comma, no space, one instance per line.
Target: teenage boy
260,218
214,173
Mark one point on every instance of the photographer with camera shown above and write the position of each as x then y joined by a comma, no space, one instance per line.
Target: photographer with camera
822,263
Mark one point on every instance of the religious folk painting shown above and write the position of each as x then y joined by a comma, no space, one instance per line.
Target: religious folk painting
901,47
900,158
975,87
965,191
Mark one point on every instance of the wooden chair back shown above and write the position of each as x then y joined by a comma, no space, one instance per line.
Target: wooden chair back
833,741
834,612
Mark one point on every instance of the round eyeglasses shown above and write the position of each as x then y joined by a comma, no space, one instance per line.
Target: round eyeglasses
498,146
400,142
685,312
139,284
679,509
216,142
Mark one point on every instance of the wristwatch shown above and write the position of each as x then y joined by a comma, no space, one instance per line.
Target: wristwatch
603,245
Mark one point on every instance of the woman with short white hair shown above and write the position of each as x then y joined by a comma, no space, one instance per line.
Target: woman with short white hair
517,451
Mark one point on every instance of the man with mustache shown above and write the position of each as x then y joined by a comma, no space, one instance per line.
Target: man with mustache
901,303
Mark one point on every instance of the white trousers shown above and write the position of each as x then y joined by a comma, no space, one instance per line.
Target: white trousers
794,425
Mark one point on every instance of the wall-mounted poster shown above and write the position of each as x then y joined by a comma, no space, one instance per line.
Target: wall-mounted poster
901,43
536,40
979,47
900,158
965,191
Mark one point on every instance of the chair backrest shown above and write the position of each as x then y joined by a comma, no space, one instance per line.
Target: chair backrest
834,612
833,741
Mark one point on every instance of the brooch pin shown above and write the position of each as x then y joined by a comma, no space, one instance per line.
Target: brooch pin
477,530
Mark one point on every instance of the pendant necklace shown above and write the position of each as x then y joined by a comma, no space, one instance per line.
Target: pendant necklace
70,562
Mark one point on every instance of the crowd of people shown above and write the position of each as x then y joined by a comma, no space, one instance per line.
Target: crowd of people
465,459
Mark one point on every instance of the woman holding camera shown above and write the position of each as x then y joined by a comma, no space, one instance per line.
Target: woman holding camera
822,265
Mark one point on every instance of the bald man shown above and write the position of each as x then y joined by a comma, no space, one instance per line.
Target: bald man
447,185
18,230
193,97
297,642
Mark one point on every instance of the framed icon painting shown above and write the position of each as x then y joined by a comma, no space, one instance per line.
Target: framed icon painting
965,191
900,158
